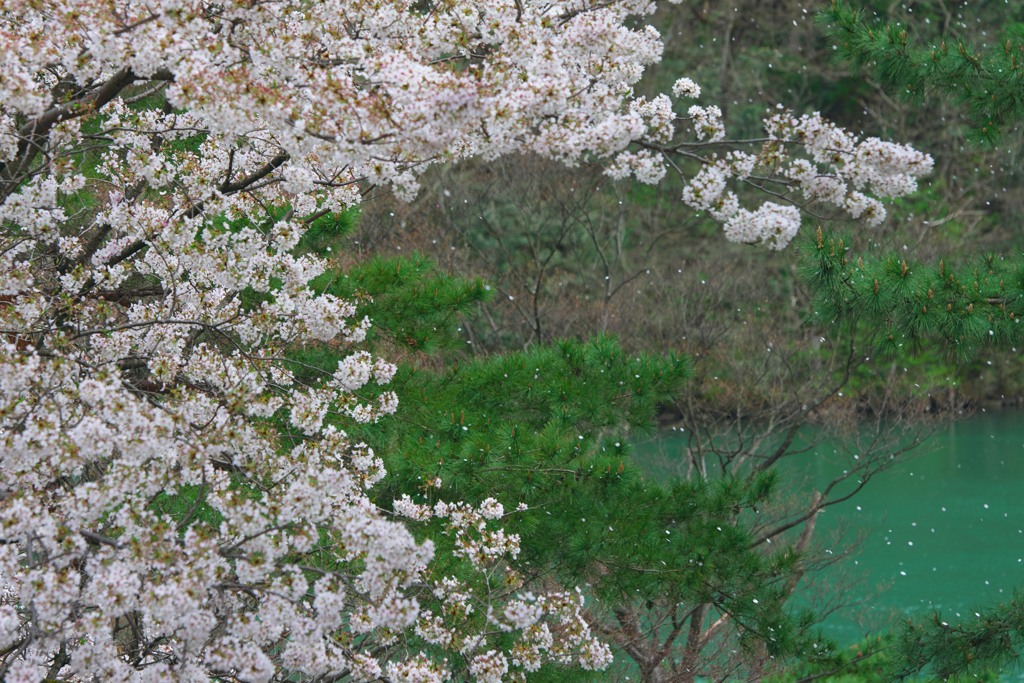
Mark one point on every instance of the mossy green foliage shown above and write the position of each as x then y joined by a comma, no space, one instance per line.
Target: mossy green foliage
410,301
326,232
868,661
186,506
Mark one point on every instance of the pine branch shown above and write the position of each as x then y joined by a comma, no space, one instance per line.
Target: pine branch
966,309
987,82
989,640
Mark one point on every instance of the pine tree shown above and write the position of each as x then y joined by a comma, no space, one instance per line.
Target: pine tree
986,81
910,305
551,428
966,309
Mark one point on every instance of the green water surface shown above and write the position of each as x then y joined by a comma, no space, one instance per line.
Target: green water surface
948,525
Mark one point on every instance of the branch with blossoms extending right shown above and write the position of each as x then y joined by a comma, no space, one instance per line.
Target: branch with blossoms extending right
839,167
379,108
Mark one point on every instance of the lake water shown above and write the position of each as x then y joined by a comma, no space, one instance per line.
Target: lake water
948,524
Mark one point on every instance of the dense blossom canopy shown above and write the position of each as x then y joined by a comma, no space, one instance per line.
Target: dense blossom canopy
177,502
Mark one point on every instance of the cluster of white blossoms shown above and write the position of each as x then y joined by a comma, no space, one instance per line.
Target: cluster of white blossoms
707,122
551,627
839,167
180,500
887,169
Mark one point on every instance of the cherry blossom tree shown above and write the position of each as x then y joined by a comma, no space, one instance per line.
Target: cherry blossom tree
175,505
